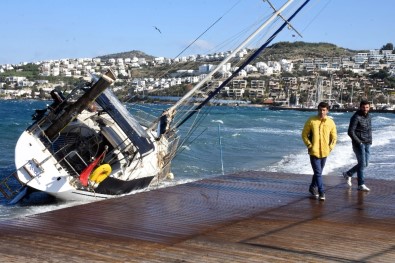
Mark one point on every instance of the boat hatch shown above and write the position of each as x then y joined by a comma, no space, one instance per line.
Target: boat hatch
114,139
133,130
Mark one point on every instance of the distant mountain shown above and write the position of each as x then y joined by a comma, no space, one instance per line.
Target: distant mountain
128,54
300,50
277,51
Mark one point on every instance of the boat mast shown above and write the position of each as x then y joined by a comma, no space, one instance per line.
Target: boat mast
82,103
242,45
245,63
330,90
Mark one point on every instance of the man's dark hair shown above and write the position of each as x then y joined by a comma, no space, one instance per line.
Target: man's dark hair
323,104
364,102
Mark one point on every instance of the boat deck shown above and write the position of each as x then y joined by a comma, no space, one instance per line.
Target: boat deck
243,217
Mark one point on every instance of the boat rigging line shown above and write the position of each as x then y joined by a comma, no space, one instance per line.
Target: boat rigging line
285,20
246,62
242,45
204,32
317,13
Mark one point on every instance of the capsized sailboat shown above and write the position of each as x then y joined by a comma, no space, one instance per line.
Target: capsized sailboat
88,146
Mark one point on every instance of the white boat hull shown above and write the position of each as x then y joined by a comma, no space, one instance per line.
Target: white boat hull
39,170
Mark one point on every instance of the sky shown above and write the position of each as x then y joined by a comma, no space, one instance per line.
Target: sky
39,30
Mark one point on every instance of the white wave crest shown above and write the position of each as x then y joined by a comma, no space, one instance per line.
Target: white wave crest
218,121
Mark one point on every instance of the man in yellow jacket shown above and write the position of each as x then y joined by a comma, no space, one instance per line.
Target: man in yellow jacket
319,135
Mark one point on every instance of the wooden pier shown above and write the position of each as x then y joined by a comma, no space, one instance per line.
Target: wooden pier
243,217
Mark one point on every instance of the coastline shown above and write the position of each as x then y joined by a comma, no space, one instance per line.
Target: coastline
331,110
235,104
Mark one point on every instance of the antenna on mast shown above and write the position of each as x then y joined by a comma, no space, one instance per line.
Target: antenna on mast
285,20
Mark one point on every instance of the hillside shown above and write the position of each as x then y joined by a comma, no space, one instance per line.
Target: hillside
281,50
300,50
277,51
128,54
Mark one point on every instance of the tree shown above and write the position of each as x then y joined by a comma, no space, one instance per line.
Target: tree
381,74
388,46
42,94
32,94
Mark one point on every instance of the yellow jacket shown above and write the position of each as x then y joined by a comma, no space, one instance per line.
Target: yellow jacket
319,136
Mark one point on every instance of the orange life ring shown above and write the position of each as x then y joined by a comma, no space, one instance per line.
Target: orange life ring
100,173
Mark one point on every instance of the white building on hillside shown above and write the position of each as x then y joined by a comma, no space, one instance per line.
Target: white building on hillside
286,65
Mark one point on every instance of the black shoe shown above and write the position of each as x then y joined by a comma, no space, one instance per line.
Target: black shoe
322,197
313,191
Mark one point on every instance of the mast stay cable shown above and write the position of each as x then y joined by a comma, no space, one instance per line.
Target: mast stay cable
246,62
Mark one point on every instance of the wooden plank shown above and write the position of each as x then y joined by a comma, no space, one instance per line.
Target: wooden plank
244,217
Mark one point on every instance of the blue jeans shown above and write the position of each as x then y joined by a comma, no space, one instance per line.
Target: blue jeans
318,165
362,152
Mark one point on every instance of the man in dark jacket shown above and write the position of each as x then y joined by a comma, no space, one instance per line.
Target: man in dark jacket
360,131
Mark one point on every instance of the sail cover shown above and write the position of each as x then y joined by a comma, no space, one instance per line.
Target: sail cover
129,125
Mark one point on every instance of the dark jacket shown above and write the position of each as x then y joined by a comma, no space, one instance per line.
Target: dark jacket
360,128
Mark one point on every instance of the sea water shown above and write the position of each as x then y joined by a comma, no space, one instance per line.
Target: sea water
227,140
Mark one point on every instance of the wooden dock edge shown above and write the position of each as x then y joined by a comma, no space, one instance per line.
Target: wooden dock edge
250,216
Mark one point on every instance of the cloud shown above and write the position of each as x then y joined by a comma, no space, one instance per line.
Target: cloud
203,44
199,46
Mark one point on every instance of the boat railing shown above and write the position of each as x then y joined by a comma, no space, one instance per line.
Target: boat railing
49,144
44,121
10,186
62,156
71,168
